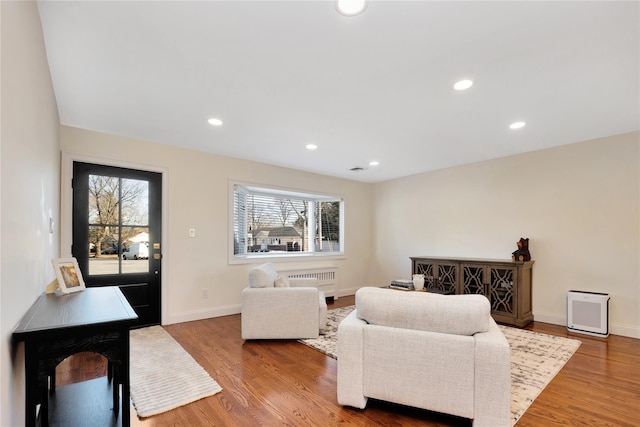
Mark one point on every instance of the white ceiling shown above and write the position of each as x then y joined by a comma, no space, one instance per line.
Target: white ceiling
378,86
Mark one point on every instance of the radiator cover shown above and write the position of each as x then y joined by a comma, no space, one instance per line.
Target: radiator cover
327,278
588,313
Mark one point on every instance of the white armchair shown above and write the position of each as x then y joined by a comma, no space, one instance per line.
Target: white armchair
276,307
436,352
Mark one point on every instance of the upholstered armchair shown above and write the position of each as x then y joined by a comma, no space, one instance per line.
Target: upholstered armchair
276,307
442,353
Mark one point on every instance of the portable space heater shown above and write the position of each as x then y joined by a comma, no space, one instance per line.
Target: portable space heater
588,313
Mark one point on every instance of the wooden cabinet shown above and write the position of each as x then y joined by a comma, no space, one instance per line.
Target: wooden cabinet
506,283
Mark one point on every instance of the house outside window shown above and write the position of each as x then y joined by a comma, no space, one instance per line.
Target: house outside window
270,222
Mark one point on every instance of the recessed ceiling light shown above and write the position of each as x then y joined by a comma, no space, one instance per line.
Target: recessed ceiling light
374,163
351,7
215,122
311,146
463,85
517,125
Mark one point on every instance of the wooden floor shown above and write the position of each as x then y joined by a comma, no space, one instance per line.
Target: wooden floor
278,383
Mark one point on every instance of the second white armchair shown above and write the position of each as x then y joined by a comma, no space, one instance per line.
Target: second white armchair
276,307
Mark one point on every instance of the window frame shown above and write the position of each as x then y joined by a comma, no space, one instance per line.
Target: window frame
271,190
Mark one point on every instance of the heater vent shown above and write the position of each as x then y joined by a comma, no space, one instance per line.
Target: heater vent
327,278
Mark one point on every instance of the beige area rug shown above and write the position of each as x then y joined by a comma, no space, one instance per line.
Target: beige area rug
163,375
535,358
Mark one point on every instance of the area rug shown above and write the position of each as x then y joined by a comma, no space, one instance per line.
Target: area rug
163,375
535,358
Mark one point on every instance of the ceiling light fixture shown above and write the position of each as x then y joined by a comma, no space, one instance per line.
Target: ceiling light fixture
351,7
517,125
463,85
215,122
311,146
374,163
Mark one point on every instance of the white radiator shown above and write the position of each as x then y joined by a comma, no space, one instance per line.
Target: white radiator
588,313
327,278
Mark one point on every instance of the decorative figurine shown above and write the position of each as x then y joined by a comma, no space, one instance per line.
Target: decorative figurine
522,254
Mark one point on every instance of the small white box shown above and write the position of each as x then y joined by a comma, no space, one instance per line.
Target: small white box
588,313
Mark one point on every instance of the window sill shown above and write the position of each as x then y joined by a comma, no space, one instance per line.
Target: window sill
281,257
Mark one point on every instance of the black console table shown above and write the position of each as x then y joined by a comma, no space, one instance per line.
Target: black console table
56,327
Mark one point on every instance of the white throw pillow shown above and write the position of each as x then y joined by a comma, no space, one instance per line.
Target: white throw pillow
260,278
282,282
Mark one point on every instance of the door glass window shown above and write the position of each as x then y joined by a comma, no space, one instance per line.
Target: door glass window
118,225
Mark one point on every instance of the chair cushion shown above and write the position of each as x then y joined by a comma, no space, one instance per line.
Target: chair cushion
262,276
449,314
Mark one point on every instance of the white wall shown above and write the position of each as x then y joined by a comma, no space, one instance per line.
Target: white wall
578,204
198,191
29,193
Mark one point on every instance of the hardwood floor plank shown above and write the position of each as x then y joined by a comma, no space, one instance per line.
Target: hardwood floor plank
283,382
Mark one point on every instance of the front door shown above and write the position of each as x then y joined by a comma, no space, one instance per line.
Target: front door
117,225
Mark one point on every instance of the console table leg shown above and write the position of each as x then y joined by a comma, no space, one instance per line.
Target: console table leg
44,408
115,384
124,380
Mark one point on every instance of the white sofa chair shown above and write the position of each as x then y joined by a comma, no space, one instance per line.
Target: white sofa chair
442,353
276,307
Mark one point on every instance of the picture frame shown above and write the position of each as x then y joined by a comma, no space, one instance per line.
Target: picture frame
68,275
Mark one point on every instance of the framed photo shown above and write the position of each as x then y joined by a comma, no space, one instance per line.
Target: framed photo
68,275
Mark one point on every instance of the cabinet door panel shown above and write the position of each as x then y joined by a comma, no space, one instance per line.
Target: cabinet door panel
426,268
440,277
473,279
501,290
448,278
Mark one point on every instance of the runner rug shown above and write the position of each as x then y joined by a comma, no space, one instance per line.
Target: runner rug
535,358
163,375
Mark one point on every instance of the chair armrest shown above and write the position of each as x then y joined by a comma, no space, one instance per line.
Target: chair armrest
350,378
492,378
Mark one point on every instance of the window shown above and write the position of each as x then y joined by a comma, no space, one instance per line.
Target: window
271,222
118,220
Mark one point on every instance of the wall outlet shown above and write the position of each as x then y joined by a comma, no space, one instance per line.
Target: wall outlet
205,293
192,232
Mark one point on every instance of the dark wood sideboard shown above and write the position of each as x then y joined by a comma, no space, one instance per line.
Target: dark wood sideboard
506,283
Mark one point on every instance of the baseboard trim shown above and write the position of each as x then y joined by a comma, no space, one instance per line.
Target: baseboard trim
625,330
346,292
208,313
190,316
630,331
554,319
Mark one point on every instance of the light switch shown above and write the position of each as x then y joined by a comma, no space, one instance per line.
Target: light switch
192,232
